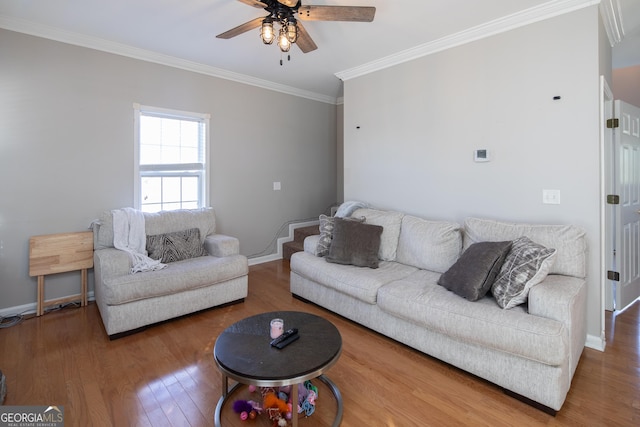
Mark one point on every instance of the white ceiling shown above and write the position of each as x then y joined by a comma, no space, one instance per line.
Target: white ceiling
182,33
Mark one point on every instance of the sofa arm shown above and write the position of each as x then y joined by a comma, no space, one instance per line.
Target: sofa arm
311,243
219,245
563,298
112,262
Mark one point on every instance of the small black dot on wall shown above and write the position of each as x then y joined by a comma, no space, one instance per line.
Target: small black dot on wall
357,127
557,97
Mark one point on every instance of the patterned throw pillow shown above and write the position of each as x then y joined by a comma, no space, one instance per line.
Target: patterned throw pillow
326,234
176,246
526,265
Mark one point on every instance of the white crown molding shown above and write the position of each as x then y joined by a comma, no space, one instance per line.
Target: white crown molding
611,11
51,33
535,14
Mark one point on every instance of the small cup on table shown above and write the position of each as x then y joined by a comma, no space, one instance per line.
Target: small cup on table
277,328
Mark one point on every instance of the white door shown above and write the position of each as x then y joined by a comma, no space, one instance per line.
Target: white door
627,212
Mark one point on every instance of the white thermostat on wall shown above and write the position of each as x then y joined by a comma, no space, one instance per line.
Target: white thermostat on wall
481,155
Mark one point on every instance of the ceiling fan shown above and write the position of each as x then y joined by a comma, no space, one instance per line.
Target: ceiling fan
291,31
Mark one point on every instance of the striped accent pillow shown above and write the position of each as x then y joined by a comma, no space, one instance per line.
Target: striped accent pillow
526,265
176,246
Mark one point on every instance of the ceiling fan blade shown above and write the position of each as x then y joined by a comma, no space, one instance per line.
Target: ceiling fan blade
289,3
243,28
305,42
254,3
336,13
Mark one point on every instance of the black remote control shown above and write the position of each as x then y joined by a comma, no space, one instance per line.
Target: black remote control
282,344
285,336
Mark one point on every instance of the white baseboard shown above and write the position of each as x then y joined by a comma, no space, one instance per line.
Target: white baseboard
18,309
266,258
30,308
596,343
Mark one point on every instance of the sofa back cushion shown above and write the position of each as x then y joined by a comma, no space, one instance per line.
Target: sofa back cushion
158,223
429,245
569,240
390,222
169,221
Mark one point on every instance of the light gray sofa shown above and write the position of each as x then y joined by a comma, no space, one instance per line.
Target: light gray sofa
130,301
531,350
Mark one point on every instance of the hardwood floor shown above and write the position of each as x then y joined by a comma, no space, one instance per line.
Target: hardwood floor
166,375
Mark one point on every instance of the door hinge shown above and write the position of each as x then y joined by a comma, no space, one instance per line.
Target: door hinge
613,199
613,275
613,123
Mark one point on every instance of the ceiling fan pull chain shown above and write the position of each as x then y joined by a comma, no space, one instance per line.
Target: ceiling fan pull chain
288,58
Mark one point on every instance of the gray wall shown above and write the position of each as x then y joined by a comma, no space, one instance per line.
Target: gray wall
419,123
66,150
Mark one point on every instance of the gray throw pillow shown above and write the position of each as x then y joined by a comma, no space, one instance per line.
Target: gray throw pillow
526,265
472,275
326,233
355,243
176,246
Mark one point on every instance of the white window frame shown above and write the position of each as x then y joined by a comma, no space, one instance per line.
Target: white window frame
199,169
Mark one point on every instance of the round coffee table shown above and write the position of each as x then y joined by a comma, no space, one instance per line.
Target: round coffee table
244,354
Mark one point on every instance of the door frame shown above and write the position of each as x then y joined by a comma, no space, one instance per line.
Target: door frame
607,219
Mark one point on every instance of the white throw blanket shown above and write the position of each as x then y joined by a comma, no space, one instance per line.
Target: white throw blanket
347,208
129,236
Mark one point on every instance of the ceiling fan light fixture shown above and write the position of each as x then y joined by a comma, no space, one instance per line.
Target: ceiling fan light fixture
286,14
283,41
291,29
266,32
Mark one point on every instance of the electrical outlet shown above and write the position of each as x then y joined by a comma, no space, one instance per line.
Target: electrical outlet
277,186
551,197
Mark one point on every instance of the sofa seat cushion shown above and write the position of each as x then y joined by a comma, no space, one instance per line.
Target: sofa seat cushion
420,300
357,282
176,277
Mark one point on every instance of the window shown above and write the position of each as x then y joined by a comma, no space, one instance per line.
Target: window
170,156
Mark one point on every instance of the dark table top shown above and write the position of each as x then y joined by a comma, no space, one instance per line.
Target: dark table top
243,350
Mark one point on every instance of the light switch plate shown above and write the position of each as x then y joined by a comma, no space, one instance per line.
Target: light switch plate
551,197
